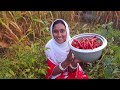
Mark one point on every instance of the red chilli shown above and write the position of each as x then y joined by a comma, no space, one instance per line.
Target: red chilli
86,43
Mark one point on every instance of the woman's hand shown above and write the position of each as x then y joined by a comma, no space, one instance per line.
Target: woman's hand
69,57
76,60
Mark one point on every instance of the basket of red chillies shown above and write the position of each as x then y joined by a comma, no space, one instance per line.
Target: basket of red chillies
87,47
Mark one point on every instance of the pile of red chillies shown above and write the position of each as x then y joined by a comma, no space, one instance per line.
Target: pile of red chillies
86,43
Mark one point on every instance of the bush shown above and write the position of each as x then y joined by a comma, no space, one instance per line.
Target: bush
23,62
108,67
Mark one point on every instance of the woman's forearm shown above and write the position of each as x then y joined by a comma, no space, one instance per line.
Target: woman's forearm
64,65
57,70
73,64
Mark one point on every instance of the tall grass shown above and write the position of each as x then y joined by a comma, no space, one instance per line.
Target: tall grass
15,25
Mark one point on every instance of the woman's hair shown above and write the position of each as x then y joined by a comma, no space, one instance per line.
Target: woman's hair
58,21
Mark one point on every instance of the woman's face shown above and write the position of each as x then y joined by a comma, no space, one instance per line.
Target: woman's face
59,33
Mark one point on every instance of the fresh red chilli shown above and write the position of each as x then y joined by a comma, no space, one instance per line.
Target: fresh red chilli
86,43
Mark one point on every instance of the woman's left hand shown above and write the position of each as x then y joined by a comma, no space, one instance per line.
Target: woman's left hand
77,60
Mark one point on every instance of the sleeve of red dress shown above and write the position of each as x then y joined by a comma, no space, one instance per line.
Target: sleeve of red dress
50,69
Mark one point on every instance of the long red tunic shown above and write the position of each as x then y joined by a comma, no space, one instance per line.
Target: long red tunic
78,74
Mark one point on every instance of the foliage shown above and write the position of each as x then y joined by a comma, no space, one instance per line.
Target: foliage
108,66
23,62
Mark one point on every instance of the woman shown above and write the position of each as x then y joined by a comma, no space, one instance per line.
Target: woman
61,62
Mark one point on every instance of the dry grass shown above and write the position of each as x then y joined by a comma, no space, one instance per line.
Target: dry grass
26,26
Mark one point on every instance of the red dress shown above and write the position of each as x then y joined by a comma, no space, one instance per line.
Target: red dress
78,74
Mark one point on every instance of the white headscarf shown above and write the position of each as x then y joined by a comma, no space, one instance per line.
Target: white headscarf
56,52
